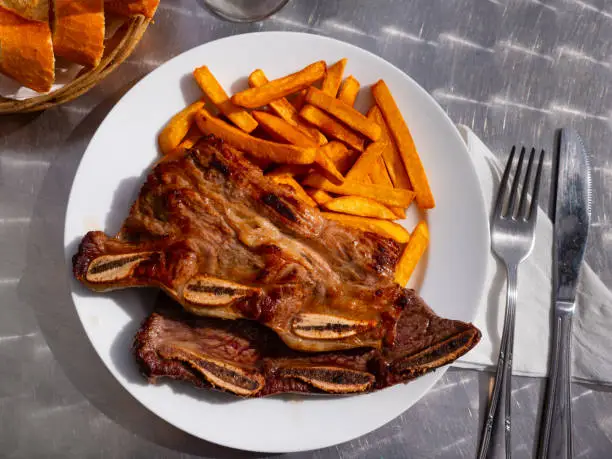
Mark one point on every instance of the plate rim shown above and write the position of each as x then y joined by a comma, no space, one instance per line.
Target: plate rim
458,138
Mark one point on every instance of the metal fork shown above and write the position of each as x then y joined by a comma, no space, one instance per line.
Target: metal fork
512,238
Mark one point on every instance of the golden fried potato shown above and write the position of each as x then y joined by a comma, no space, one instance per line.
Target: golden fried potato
417,244
379,174
264,149
281,87
190,140
356,205
283,130
297,171
319,196
331,127
299,100
389,196
405,144
327,167
345,113
286,110
333,78
348,91
364,164
383,227
176,129
342,157
393,160
211,87
299,191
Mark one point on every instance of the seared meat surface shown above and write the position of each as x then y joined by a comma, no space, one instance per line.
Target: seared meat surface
224,241
247,359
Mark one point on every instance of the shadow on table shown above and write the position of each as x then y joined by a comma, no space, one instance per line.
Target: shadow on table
45,286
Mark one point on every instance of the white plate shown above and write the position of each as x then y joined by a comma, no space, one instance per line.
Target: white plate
116,162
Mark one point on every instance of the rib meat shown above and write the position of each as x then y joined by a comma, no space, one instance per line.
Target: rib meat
244,358
224,241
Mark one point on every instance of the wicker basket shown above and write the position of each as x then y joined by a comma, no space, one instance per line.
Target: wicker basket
126,39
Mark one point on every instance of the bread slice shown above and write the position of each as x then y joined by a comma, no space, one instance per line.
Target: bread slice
34,10
131,7
26,51
78,30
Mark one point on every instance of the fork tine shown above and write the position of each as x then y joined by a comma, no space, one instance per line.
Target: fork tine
536,189
515,184
523,201
501,193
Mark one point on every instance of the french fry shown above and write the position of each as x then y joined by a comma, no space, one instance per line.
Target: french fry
345,113
348,91
281,87
280,128
364,164
333,78
417,244
319,196
283,108
176,129
393,160
283,130
380,176
398,211
323,165
264,149
331,127
389,196
297,171
383,227
405,144
355,205
189,141
342,157
211,87
299,191
327,168
299,99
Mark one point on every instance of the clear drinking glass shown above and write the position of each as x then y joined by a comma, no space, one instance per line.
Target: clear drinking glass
244,10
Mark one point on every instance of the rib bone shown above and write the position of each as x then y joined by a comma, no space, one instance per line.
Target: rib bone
210,291
113,268
323,326
437,355
218,373
246,358
332,379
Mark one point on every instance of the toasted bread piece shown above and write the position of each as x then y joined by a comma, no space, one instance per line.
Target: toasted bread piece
26,51
78,30
131,7
33,10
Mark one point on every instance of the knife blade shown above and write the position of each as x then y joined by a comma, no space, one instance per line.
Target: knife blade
572,213
571,228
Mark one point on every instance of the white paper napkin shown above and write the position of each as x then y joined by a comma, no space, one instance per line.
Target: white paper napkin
592,340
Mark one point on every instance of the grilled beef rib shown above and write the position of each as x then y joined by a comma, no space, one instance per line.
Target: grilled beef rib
224,241
247,359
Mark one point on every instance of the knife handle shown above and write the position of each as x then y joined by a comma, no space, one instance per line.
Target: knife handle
556,434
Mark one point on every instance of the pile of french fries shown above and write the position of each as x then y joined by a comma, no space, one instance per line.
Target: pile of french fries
303,131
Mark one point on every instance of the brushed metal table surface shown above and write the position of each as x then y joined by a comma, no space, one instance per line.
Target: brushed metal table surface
513,70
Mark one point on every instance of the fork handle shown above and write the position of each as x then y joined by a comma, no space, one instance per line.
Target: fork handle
502,387
556,434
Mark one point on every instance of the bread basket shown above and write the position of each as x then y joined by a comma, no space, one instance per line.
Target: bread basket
124,40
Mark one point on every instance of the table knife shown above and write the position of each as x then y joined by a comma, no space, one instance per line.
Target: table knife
571,227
